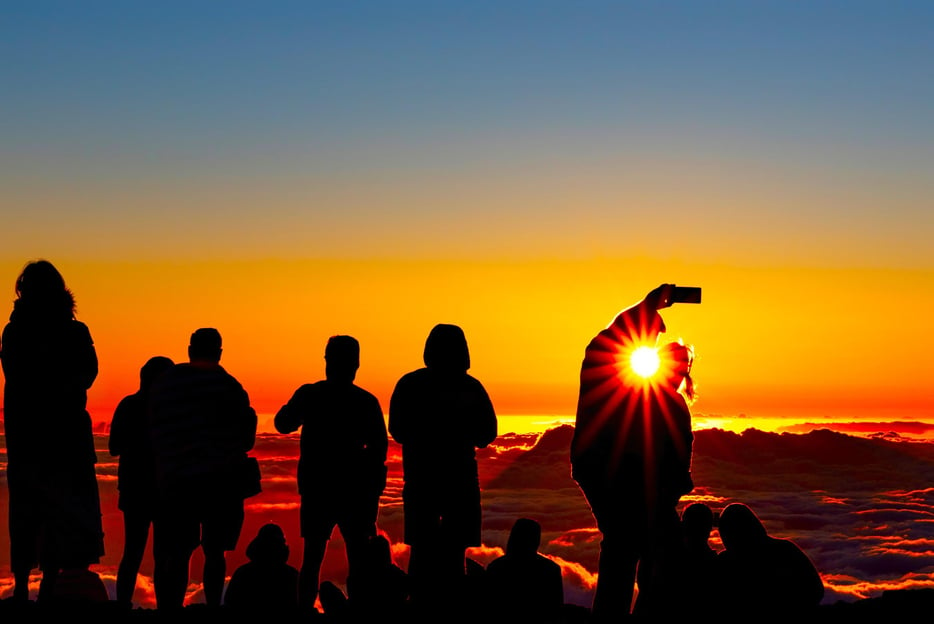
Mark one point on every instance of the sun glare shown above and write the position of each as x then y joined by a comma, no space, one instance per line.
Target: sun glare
644,361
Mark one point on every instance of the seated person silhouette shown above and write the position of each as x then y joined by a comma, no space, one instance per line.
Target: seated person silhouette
697,579
267,583
377,585
376,588
760,574
522,583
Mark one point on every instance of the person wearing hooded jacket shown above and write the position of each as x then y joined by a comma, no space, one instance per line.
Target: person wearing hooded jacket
440,415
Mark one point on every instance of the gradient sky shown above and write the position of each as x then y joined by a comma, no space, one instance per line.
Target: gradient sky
287,171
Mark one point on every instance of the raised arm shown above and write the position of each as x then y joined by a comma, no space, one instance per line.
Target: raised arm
642,322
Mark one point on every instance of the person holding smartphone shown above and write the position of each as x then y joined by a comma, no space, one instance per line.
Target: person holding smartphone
630,453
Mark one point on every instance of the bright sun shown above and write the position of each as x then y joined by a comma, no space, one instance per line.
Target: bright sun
644,361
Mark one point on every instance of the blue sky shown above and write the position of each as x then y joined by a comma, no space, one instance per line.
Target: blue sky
98,91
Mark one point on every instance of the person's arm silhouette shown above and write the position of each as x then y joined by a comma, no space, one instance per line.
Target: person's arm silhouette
83,366
291,415
485,429
400,411
117,440
376,442
246,418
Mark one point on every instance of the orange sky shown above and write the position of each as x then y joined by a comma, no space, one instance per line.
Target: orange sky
523,171
771,341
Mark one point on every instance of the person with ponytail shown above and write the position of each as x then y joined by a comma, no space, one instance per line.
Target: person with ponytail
631,454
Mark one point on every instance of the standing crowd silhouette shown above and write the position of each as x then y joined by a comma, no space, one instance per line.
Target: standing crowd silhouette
183,442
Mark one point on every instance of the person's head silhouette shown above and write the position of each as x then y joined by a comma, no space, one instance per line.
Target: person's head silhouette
676,360
697,524
446,349
205,345
342,358
269,545
153,367
525,538
740,529
41,290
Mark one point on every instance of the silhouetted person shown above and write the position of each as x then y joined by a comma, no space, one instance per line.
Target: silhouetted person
631,456
49,362
267,584
441,415
342,468
698,575
377,586
523,584
136,474
762,575
202,426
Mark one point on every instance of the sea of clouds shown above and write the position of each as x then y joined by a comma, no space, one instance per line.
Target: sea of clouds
862,508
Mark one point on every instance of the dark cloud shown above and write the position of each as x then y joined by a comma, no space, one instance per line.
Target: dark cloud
544,466
894,428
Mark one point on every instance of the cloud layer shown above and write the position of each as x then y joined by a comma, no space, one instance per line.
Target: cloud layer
861,508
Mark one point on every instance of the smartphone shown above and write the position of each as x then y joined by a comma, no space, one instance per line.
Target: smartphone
685,294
